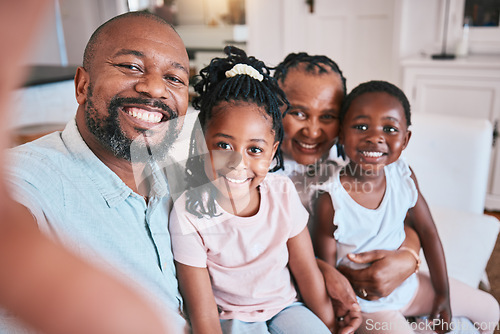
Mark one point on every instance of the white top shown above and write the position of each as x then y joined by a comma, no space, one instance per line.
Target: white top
360,229
246,257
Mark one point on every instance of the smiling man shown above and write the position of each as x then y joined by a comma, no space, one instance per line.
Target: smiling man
79,184
133,87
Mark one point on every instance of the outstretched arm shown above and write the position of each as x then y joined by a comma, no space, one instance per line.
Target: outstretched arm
423,223
83,299
339,289
196,289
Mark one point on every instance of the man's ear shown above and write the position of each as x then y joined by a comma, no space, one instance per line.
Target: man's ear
407,139
81,85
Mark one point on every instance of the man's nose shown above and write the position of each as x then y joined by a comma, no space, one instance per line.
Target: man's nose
153,85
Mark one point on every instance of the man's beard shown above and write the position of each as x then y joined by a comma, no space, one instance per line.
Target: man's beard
107,130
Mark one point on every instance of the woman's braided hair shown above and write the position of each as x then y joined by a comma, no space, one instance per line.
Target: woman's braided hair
312,64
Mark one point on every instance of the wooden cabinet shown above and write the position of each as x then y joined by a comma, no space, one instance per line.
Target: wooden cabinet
467,87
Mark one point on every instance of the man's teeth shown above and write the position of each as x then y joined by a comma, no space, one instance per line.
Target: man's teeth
372,154
151,117
235,180
307,146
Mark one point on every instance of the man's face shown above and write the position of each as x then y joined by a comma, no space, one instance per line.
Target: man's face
135,89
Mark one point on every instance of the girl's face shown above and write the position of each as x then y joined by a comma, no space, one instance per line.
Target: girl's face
242,144
374,130
312,124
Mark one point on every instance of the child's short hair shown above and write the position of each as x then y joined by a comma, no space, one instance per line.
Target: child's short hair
223,81
376,86
311,63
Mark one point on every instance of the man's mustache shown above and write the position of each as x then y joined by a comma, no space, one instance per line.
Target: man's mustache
119,102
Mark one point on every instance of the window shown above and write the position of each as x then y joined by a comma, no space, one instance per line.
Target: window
483,19
482,13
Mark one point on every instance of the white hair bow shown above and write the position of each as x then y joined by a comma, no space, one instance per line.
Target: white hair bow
244,69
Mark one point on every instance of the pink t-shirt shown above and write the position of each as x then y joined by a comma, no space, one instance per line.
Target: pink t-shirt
246,257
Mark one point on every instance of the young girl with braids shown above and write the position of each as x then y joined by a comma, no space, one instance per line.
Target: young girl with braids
363,207
239,233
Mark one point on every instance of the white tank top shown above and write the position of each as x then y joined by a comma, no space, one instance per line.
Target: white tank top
360,229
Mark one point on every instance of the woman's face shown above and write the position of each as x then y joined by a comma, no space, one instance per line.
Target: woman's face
311,125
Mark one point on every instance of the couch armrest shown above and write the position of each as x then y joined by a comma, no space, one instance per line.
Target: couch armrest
468,240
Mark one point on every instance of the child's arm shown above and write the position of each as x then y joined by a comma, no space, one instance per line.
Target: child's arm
308,277
325,246
423,224
339,288
196,289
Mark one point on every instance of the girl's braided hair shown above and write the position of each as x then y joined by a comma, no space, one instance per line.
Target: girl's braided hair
213,87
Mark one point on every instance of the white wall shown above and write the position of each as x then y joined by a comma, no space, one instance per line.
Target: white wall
362,36
420,27
198,12
46,50
351,33
265,30
79,20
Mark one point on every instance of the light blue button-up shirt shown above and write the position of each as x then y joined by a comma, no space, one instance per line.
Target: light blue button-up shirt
77,200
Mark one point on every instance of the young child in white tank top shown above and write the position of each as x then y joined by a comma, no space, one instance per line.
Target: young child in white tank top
363,207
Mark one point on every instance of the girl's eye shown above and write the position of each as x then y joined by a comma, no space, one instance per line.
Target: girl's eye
361,127
224,146
390,129
256,150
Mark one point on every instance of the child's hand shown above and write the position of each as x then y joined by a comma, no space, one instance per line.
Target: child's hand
441,314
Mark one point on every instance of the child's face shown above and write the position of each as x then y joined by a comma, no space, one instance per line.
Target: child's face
311,125
374,130
241,142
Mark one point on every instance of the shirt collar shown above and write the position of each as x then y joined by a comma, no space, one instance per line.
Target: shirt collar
111,187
